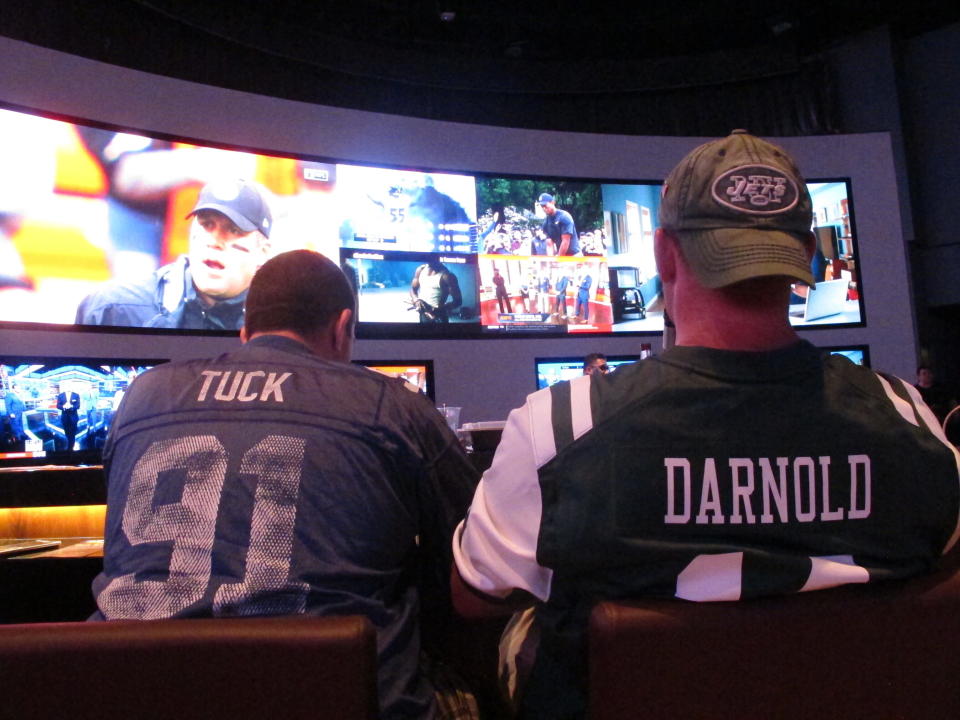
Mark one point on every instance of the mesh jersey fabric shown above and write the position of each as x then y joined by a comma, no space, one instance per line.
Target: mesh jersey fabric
268,481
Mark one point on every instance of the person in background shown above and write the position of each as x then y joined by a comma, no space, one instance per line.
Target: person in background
543,296
13,409
560,305
739,463
206,289
68,403
500,289
280,479
538,244
582,305
595,364
939,397
532,285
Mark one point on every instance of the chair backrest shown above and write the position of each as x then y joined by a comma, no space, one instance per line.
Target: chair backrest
236,668
951,426
883,650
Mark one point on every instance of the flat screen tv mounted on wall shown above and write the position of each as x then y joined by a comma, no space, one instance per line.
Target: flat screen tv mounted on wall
417,373
57,411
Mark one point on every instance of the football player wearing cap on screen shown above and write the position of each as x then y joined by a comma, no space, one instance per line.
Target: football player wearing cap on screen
740,462
205,289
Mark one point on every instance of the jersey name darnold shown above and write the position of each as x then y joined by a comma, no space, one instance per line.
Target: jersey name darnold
767,490
242,386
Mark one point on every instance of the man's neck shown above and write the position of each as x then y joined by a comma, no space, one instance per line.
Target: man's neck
730,334
318,345
733,321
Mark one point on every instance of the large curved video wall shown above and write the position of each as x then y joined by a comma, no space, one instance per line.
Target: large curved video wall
389,195
115,227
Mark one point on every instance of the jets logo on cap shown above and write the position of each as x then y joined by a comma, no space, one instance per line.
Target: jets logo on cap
756,190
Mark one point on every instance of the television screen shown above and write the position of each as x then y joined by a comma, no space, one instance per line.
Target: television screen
103,227
553,370
859,354
837,297
58,410
417,373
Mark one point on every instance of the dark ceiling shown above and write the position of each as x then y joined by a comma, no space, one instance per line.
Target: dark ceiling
557,30
601,66
465,42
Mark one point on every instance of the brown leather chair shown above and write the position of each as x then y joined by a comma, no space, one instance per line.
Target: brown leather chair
879,651
229,669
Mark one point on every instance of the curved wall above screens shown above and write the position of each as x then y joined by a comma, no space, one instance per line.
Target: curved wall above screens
498,379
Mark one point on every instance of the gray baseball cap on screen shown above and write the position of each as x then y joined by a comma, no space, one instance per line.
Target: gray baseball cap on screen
240,200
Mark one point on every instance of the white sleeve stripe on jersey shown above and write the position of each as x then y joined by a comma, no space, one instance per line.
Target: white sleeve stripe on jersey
934,426
718,577
829,571
540,411
580,414
899,404
711,578
495,548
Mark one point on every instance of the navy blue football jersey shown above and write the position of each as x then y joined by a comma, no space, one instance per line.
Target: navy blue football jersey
268,481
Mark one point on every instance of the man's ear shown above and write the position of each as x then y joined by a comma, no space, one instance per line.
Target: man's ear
343,334
244,335
665,254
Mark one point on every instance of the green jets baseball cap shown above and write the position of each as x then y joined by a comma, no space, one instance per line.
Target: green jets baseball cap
740,209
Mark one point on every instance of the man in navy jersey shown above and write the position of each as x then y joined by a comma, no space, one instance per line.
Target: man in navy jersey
739,463
279,479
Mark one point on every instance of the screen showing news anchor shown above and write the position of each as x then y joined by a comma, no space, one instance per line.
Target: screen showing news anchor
102,227
60,409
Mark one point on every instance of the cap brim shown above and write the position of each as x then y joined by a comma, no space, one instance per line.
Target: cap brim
239,220
725,256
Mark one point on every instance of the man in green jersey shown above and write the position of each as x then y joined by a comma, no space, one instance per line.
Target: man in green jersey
739,463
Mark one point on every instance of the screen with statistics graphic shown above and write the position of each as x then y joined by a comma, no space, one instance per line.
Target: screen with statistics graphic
58,410
107,228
